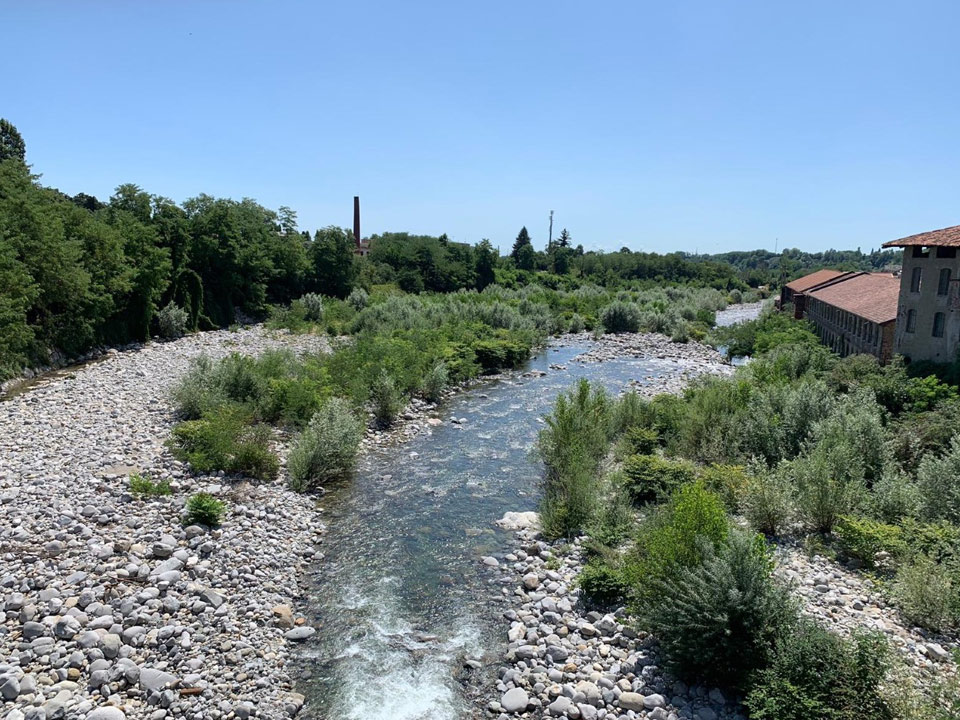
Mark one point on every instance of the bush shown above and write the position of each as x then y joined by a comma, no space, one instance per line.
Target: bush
631,411
312,307
815,673
825,491
863,538
327,449
620,317
144,487
358,299
196,392
717,621
651,478
577,324
895,496
223,441
641,440
613,519
602,584
678,535
938,479
681,333
435,382
386,398
500,354
728,481
768,502
173,321
204,509
927,594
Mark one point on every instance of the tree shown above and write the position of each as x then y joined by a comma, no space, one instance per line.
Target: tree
332,256
526,257
523,240
564,239
11,142
486,261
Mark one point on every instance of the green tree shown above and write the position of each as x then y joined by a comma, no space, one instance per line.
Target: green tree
11,142
564,239
332,258
486,261
522,241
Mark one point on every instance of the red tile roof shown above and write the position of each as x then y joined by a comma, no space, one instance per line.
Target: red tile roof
808,281
947,237
872,296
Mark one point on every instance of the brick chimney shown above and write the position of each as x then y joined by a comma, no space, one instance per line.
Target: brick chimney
356,219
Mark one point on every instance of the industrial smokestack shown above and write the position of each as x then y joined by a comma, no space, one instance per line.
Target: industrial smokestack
356,219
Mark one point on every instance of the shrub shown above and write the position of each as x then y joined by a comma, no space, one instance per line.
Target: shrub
938,540
716,621
327,449
500,354
938,479
728,481
825,490
927,594
197,392
928,392
386,398
619,317
358,299
204,509
815,673
173,321
863,538
678,535
144,487
630,411
613,518
435,382
312,307
602,584
895,496
854,430
651,478
681,333
577,324
223,441
641,440
768,502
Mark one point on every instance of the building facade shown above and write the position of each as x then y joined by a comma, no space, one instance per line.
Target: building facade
793,291
928,314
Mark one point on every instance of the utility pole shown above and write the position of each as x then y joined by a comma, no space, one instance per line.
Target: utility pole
550,237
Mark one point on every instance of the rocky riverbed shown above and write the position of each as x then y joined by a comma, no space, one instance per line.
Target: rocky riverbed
112,608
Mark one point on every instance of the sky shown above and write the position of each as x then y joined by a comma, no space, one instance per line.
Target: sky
694,126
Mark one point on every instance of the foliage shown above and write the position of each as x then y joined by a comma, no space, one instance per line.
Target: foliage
620,317
435,382
717,620
730,482
816,673
222,440
928,593
602,584
327,448
928,392
863,538
312,307
386,398
11,142
358,298
143,487
204,509
825,488
938,478
641,440
651,478
768,502
173,321
895,496
613,519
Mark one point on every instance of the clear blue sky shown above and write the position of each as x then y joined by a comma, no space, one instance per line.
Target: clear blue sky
661,126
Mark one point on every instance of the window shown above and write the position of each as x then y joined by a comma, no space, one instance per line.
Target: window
915,279
911,321
921,252
944,283
946,252
938,320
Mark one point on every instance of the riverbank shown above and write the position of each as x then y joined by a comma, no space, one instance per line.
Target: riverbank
111,602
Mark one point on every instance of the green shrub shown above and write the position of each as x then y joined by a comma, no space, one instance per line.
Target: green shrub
613,519
938,479
312,307
815,673
501,354
620,317
895,496
681,333
197,392
728,481
602,584
938,540
641,440
223,441
927,393
630,411
386,399
651,478
435,382
678,535
358,299
327,448
928,594
577,324
144,487
173,321
768,502
716,621
204,509
863,538
825,489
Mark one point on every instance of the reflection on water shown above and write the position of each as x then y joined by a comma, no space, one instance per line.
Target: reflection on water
401,599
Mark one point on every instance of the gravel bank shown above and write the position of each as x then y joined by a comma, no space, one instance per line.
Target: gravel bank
112,608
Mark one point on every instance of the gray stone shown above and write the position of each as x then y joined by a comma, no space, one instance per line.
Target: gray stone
106,713
9,688
632,701
299,634
514,701
151,679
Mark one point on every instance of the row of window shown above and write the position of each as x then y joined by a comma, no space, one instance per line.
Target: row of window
939,321
943,253
943,285
855,325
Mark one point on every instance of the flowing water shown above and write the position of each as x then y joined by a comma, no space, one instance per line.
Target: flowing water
401,598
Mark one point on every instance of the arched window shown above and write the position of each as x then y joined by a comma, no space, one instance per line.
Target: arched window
944,283
911,321
938,322
915,279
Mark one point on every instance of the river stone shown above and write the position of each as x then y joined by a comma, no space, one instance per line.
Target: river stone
151,679
300,633
514,701
9,688
654,701
632,701
519,521
106,713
